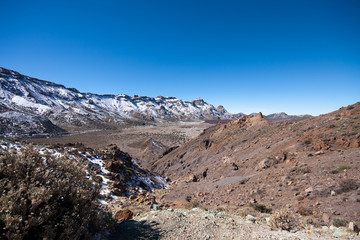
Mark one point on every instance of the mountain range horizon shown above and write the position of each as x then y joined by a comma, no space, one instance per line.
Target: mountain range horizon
14,72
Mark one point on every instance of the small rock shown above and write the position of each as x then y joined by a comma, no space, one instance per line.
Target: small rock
319,152
309,190
192,177
340,233
170,209
266,163
332,193
124,215
196,209
326,218
213,212
235,166
250,219
336,213
156,207
353,227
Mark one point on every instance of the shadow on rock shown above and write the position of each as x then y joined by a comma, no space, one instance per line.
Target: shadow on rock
132,230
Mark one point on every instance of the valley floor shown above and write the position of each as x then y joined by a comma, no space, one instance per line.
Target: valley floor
127,138
200,224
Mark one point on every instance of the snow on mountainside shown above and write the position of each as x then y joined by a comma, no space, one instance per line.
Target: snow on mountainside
68,107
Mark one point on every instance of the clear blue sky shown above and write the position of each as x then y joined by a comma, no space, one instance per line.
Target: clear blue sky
297,56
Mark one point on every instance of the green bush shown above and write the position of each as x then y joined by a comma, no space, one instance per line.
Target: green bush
47,198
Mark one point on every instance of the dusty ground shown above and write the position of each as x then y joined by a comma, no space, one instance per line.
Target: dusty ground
311,166
199,224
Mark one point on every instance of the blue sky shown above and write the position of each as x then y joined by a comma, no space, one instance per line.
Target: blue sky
300,56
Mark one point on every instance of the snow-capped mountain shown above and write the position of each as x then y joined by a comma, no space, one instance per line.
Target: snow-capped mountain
69,107
279,116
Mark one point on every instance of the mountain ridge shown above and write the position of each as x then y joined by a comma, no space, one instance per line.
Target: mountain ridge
54,107
68,107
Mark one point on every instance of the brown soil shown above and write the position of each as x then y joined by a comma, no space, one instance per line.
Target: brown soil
311,166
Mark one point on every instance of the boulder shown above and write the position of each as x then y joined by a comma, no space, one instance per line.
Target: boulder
266,163
206,144
250,219
340,233
114,166
309,189
356,142
124,215
320,145
326,218
353,227
192,177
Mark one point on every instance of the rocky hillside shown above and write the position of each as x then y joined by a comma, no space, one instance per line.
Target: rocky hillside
66,107
310,166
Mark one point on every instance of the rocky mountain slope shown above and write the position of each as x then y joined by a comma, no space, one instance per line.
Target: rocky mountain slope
66,107
310,166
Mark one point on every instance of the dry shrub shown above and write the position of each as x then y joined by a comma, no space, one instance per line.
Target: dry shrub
307,141
192,204
339,222
347,185
341,168
284,219
304,210
47,198
260,207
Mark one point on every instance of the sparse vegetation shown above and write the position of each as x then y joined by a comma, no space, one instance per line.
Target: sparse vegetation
338,222
192,204
245,180
304,210
347,185
47,198
301,169
260,207
308,141
284,219
341,168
